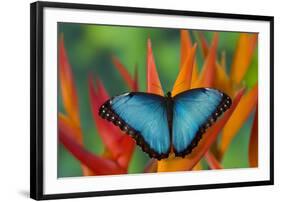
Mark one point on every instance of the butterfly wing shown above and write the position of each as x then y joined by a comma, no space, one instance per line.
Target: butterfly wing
144,117
194,111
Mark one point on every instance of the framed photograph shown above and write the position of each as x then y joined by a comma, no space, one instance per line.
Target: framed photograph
134,100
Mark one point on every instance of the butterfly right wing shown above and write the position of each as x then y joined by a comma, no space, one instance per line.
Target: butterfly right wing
194,111
144,117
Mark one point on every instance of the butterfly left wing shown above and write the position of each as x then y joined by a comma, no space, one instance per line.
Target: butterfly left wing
144,117
193,112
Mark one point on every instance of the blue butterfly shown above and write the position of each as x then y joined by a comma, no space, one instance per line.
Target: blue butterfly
164,124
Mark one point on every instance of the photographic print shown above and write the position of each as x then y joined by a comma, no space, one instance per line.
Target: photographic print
131,100
146,100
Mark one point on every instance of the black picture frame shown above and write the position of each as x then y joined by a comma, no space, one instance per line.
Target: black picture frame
37,99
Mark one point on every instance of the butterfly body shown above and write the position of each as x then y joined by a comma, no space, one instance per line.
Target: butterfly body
169,106
164,124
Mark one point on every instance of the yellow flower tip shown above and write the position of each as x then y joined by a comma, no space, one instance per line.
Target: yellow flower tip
184,78
172,164
68,89
222,81
243,55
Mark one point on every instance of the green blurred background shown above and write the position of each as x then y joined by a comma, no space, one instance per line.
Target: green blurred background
90,48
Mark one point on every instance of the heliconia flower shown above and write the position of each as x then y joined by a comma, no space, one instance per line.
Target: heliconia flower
96,164
247,104
183,81
213,75
153,81
70,100
229,84
242,57
207,75
118,147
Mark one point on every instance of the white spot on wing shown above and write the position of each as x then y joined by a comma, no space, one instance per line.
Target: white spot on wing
125,94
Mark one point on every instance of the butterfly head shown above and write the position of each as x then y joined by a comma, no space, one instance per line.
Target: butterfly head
169,94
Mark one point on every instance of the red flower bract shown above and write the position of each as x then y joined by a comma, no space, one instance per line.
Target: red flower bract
118,147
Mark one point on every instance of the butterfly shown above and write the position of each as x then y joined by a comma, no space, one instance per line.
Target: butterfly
164,124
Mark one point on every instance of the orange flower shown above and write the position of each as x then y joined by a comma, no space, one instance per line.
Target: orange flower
119,148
